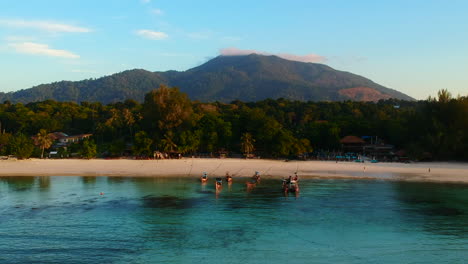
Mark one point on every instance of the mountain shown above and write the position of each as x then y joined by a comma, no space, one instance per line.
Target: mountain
224,78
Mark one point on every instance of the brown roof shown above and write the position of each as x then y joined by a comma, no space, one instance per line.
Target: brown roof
57,135
352,140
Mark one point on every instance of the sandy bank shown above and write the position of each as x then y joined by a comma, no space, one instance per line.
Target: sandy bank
439,172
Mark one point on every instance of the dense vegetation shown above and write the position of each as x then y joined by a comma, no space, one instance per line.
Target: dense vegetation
224,79
169,121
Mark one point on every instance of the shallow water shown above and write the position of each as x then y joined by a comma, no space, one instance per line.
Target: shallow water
154,220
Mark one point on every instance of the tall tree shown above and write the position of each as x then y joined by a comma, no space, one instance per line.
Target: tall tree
128,120
88,149
247,143
5,139
166,109
167,144
142,144
21,146
43,141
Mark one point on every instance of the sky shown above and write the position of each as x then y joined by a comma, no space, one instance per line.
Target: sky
416,47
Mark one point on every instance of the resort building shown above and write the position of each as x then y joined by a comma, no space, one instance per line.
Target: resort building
63,139
370,147
352,144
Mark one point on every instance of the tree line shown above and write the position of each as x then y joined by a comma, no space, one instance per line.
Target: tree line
168,121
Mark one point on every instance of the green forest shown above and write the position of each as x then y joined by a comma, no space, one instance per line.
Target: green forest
167,121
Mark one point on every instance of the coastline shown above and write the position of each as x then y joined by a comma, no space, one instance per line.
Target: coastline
277,169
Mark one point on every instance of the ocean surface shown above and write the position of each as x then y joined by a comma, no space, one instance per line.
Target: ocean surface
179,220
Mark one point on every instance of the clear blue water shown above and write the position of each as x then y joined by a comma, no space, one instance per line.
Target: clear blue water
149,220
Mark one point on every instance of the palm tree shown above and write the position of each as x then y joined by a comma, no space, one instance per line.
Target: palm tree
43,140
444,96
247,143
128,120
167,143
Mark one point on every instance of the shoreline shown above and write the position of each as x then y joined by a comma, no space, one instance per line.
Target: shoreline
443,172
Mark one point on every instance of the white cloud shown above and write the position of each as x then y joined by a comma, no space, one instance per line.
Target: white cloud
43,25
145,1
293,57
149,34
41,49
157,11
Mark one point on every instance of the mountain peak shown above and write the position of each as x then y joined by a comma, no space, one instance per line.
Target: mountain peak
224,78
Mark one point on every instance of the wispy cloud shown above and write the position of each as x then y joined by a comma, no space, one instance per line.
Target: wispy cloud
145,1
48,26
301,58
19,38
42,49
150,34
156,11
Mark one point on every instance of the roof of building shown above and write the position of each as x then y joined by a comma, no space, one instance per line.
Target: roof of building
57,135
352,140
80,136
61,135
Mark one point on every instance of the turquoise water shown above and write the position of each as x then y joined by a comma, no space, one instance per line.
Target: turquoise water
146,220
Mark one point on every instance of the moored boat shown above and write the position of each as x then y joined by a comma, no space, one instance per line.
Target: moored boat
228,178
291,185
219,183
204,177
256,177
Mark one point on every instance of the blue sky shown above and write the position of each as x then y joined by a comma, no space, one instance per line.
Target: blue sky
416,47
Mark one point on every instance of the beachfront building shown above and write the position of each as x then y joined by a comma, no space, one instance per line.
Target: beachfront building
380,151
61,142
63,139
352,144
376,149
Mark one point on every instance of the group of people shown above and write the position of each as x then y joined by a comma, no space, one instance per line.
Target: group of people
164,155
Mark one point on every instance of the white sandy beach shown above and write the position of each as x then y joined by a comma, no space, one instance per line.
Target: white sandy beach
194,167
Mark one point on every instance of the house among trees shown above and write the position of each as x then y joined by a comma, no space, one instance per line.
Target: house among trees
63,139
